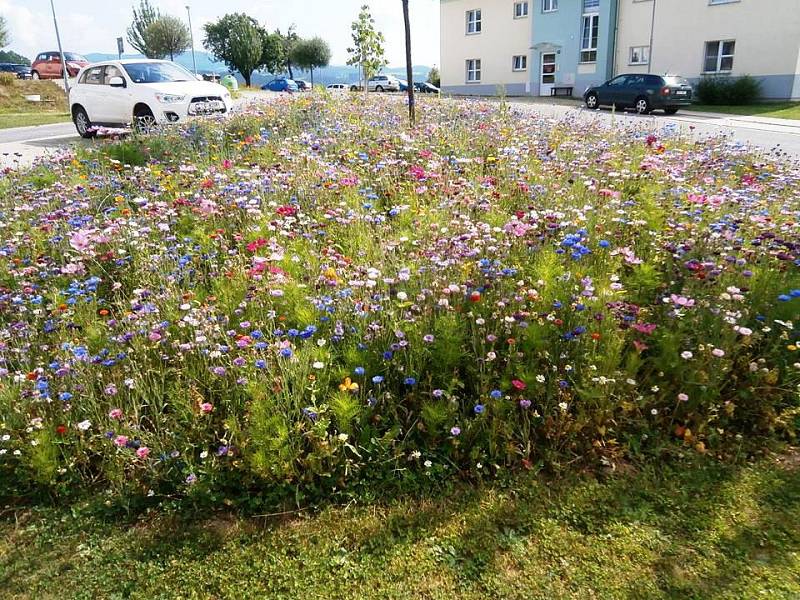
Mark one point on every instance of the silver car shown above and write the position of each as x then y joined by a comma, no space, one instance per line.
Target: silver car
384,83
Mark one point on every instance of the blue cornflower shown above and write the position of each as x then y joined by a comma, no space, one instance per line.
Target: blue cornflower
286,352
377,379
410,381
496,394
359,370
479,408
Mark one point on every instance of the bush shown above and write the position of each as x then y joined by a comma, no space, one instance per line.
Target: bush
721,91
293,301
7,79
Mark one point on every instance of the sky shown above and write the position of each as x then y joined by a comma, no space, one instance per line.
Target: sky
93,25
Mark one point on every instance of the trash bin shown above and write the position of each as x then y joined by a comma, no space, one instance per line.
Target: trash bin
229,81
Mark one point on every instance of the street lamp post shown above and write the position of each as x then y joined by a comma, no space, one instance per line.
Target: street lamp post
60,50
191,36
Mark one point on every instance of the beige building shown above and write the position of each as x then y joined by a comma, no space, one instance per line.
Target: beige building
713,37
485,44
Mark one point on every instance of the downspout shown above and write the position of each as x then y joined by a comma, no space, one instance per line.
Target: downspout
652,31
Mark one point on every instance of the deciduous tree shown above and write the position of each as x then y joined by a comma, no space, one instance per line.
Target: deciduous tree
169,36
137,32
311,54
367,50
238,41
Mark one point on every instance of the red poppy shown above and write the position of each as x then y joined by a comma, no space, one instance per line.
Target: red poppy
475,296
61,429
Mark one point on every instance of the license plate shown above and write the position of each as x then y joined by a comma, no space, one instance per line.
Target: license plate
204,107
681,93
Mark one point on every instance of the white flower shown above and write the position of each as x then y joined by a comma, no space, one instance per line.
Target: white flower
5,438
428,464
540,378
686,355
318,365
204,454
84,425
402,296
653,411
343,437
563,406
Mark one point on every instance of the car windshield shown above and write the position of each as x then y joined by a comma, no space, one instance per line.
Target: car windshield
74,57
157,72
676,81
19,68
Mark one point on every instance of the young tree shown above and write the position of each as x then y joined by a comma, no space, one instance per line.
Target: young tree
238,41
367,50
288,42
137,32
169,36
5,35
311,54
12,57
409,67
434,78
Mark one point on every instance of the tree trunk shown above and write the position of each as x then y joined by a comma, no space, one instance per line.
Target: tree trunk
312,78
409,69
246,79
289,67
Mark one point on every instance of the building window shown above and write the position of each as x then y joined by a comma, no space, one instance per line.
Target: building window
520,63
549,5
474,70
722,1
520,10
591,6
719,56
639,55
473,21
590,29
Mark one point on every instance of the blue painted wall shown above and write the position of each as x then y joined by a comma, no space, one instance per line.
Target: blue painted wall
562,30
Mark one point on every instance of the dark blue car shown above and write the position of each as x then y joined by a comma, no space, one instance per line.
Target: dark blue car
281,84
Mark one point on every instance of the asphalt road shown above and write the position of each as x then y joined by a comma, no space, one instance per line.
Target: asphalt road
779,138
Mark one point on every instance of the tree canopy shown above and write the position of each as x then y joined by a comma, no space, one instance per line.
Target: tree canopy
169,36
138,36
311,54
5,34
239,41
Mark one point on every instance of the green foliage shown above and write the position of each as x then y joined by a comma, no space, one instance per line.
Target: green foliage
732,91
138,36
168,36
367,51
7,79
434,78
311,54
12,57
239,41
5,34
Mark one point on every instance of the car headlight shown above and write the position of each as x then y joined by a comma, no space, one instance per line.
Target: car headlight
170,98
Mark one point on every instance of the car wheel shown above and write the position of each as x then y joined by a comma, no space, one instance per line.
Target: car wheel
642,105
35,75
592,101
379,88
143,120
353,88
670,111
82,123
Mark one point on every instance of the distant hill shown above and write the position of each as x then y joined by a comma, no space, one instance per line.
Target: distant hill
331,74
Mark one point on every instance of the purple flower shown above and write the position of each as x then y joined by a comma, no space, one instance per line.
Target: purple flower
455,431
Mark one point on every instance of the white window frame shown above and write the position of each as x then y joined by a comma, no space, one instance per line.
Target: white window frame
473,68
715,2
594,21
519,63
591,6
474,21
720,56
644,52
549,6
521,9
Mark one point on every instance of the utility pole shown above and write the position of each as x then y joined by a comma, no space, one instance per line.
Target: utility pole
60,50
652,31
191,36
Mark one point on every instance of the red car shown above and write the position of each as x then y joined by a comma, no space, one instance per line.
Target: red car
48,65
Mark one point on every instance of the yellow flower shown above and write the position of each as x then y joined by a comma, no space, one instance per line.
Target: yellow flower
348,386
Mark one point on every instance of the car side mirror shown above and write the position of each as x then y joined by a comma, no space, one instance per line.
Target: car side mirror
117,82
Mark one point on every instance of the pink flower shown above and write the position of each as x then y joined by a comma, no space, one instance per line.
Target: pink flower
115,413
206,407
520,385
683,397
718,352
143,452
120,441
79,241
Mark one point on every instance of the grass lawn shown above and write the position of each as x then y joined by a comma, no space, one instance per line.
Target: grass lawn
699,530
25,119
16,111
776,110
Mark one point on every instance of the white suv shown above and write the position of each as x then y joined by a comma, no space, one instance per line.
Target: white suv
384,83
142,92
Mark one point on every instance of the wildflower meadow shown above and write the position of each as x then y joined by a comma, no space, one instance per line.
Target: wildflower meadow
310,296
